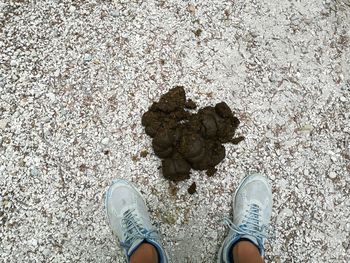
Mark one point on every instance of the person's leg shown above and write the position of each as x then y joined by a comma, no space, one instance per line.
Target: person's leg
246,252
129,219
145,253
252,208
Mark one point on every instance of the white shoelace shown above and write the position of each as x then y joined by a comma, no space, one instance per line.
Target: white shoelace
134,230
250,225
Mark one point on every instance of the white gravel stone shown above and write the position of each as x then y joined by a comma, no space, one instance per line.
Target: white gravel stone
332,175
105,141
72,9
87,57
3,123
114,13
13,63
51,96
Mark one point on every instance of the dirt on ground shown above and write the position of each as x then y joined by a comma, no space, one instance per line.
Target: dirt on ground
184,139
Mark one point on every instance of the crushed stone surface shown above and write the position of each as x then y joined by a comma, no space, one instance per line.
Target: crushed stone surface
76,77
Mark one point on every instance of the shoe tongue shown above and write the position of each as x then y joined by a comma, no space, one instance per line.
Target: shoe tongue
134,246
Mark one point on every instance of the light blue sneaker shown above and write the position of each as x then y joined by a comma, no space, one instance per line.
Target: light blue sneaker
252,208
129,219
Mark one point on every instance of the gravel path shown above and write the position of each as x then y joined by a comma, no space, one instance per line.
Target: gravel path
76,76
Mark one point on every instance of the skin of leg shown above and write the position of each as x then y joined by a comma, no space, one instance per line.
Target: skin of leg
145,253
246,252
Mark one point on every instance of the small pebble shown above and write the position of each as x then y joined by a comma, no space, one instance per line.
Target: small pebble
307,128
46,252
3,123
114,13
332,175
34,172
105,141
72,9
342,99
51,96
265,80
34,242
192,8
87,57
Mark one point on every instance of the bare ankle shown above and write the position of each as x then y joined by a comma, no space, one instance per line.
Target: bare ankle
246,252
145,253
